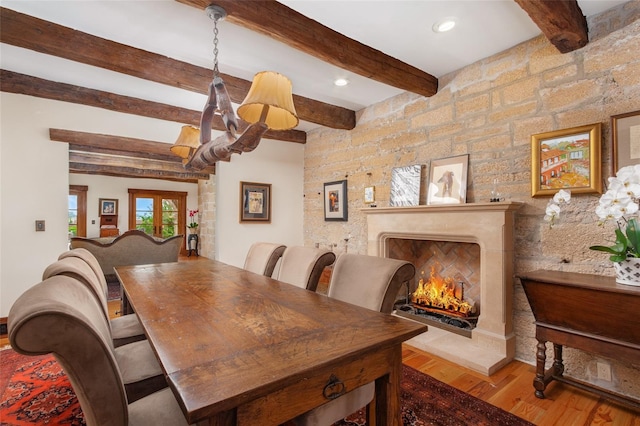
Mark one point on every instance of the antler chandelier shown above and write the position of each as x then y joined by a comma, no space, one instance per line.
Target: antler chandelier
268,105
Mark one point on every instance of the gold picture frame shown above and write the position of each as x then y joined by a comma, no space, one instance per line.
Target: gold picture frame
567,159
625,140
255,202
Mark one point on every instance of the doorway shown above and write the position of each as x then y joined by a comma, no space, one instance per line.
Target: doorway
77,206
160,214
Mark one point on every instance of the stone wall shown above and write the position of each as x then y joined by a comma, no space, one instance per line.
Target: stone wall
207,207
489,110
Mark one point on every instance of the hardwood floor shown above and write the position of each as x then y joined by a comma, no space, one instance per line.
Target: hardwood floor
511,389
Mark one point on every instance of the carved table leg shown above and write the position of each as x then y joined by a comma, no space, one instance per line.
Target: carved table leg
558,366
541,358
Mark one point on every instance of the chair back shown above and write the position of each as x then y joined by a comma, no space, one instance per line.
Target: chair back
77,268
90,259
303,266
263,257
63,317
369,281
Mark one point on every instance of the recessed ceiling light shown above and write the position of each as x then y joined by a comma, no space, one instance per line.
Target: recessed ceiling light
444,25
341,82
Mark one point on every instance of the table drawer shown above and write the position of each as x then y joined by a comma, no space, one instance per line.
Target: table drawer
306,394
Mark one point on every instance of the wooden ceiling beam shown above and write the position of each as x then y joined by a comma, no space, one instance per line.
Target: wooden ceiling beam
46,37
562,22
275,20
13,82
106,165
118,146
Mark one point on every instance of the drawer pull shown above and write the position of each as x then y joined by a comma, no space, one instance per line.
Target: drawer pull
334,388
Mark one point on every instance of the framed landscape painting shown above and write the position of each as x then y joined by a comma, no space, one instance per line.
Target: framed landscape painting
567,159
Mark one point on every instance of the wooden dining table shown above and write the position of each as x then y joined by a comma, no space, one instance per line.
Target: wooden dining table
241,348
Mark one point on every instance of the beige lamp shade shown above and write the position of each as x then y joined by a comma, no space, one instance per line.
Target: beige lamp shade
270,100
188,141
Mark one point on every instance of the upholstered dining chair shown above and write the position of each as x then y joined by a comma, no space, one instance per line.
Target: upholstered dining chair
61,316
263,257
124,329
303,266
373,283
141,372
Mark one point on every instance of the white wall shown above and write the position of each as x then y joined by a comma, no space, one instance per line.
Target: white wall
278,163
118,188
35,182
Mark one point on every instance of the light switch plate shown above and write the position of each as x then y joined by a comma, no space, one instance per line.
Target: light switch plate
39,225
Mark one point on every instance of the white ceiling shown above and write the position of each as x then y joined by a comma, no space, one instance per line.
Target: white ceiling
402,29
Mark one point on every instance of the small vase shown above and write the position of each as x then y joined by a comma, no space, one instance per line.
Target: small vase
628,271
193,230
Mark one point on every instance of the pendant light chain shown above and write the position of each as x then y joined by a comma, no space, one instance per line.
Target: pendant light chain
216,72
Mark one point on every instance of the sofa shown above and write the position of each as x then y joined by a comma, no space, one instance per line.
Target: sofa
131,248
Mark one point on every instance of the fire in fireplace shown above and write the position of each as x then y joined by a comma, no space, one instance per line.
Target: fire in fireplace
442,295
441,302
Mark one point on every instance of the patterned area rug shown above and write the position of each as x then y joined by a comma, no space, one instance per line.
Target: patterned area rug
427,401
35,390
114,291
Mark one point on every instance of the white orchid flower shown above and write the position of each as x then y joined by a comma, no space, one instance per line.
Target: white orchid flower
562,196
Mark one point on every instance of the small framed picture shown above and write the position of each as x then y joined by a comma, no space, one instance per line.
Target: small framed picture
255,202
107,207
335,201
406,185
370,194
625,138
567,159
448,180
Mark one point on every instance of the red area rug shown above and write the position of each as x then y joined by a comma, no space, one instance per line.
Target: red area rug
35,390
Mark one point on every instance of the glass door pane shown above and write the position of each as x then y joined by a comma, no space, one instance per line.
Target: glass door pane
144,215
73,215
169,225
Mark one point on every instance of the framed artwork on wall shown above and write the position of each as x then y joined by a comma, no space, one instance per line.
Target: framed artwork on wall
405,185
335,201
625,139
567,159
448,180
108,206
369,194
255,202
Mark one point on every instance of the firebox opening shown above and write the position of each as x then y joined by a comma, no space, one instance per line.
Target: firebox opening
445,292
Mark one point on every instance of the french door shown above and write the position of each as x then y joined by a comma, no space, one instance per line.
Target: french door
78,210
158,213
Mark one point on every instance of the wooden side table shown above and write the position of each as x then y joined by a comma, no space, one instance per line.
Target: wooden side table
588,312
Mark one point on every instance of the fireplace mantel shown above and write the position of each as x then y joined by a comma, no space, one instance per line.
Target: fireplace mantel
491,226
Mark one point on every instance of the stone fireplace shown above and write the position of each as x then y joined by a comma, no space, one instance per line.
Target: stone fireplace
490,226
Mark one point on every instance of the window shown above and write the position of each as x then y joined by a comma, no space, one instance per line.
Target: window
78,210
